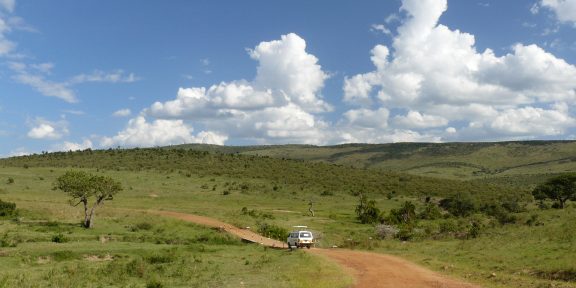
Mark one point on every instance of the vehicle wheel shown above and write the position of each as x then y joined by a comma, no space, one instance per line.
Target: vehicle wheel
307,246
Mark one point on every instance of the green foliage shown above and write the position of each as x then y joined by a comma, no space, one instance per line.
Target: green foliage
141,226
366,210
10,181
59,238
81,186
404,216
316,177
256,214
431,211
560,189
500,212
154,283
7,209
272,231
459,205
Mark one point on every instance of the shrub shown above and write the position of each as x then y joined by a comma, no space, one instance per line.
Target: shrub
272,231
7,208
405,215
59,238
384,231
405,234
474,229
430,212
533,221
448,226
366,211
499,212
141,226
10,181
154,283
327,193
459,205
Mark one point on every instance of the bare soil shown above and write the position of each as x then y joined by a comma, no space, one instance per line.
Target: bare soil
369,269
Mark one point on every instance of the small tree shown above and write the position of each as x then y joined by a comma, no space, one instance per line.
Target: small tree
82,186
366,210
459,205
405,215
560,189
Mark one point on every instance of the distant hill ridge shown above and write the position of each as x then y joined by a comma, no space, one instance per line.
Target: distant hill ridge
459,160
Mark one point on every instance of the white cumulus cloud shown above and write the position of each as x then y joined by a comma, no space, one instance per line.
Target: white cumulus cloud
72,146
141,133
48,130
565,10
279,105
438,76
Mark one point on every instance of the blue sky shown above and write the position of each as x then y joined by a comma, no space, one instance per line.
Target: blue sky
99,74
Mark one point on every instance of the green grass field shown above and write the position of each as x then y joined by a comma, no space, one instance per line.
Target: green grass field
135,249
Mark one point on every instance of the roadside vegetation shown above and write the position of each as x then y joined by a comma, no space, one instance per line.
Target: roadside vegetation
483,231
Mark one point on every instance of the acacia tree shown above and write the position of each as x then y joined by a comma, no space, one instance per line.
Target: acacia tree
560,189
82,186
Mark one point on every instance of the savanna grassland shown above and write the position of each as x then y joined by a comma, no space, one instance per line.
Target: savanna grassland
496,234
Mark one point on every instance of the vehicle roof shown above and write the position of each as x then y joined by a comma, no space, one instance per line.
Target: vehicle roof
294,231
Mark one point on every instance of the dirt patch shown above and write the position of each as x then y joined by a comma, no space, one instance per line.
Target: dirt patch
98,258
44,259
369,269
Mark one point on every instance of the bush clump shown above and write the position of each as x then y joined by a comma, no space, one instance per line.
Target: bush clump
459,205
272,231
59,238
7,209
384,231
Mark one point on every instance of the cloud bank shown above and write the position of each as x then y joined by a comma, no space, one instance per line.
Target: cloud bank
438,86
280,105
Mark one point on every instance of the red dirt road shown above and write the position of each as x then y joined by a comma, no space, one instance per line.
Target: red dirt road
369,269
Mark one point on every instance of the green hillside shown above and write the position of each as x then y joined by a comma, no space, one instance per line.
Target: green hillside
496,229
307,176
443,160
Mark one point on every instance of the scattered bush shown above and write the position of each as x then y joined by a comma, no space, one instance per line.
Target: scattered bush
10,181
533,221
431,212
459,205
141,226
384,231
154,284
405,234
448,226
7,209
59,238
405,215
327,193
366,211
256,214
272,231
499,212
474,229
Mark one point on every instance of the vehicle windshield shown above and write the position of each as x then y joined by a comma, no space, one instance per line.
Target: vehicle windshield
306,234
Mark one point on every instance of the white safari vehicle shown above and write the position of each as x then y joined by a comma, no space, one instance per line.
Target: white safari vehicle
300,238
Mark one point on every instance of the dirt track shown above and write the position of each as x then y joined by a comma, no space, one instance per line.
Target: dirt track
369,269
